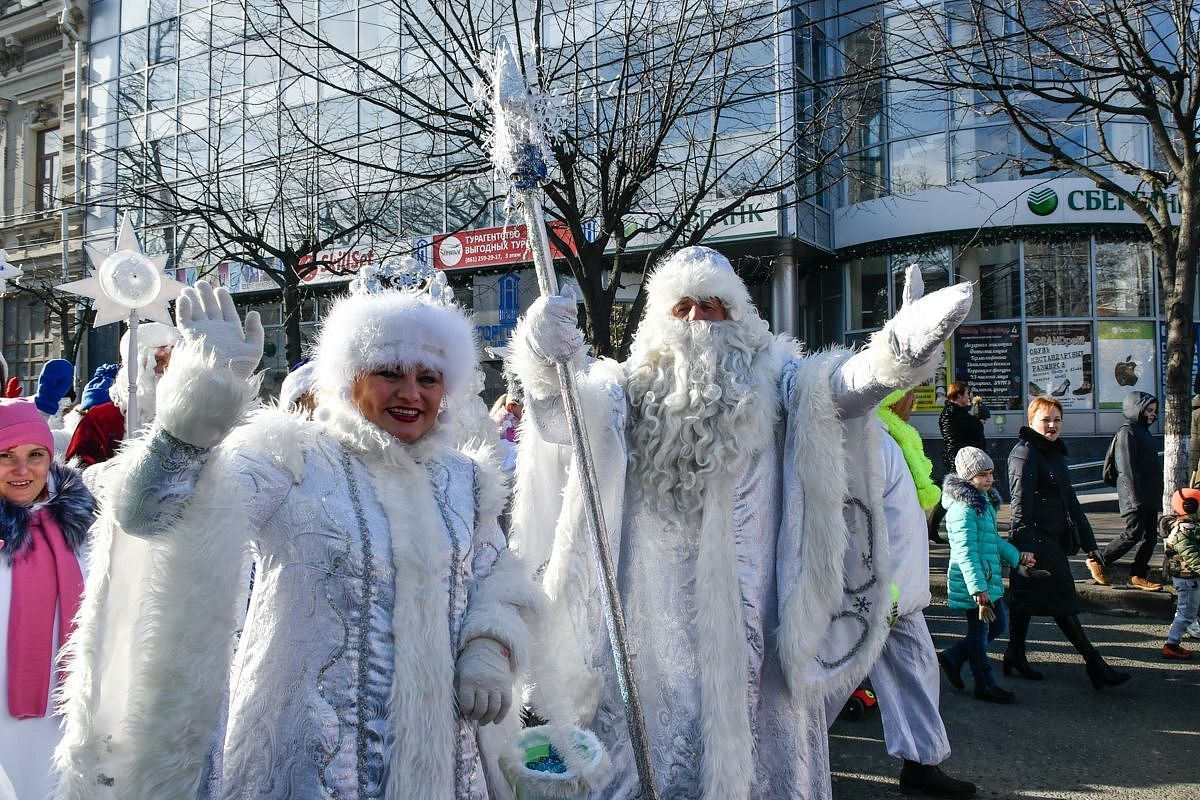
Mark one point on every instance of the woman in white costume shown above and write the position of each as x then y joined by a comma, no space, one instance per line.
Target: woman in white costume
388,621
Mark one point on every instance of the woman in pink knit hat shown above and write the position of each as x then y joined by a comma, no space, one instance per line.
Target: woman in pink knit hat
45,513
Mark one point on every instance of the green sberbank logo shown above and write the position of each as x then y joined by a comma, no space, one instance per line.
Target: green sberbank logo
1043,201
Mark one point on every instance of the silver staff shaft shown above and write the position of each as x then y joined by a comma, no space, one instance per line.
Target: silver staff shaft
131,368
585,465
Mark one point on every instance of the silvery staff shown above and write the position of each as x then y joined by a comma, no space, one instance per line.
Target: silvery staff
519,153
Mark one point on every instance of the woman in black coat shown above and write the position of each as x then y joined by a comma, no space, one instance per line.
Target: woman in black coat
1047,521
960,428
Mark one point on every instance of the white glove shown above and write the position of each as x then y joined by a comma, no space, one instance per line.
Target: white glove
483,681
554,326
210,317
923,323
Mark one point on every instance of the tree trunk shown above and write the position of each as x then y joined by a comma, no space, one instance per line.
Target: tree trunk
293,344
1181,348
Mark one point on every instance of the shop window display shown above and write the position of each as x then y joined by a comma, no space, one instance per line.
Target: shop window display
1126,351
995,271
1057,279
1123,279
868,292
1058,360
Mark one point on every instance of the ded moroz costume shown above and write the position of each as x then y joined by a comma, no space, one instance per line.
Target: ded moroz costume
387,616
740,483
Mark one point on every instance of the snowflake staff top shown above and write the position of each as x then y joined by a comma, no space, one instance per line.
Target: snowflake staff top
523,124
127,282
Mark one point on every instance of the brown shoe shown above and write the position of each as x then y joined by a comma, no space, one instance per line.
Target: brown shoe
1098,573
1143,584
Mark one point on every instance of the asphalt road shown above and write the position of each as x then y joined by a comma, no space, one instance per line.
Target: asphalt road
1061,739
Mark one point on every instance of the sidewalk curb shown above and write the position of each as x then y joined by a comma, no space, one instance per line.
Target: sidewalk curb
1119,598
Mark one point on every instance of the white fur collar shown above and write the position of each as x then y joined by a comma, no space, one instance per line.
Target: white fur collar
346,423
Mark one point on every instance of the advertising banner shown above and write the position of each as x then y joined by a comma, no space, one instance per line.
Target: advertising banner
1059,358
931,395
1162,358
988,358
1126,353
492,247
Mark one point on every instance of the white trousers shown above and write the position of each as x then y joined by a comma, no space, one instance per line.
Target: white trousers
906,683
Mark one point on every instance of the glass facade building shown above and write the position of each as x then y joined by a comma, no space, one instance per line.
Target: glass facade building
1066,293
1067,302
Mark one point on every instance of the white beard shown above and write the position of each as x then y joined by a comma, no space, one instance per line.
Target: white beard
147,389
700,404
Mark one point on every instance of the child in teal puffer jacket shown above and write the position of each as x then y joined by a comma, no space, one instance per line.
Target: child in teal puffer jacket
974,582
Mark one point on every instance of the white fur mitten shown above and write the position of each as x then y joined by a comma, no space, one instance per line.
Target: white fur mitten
199,400
484,680
916,334
553,324
210,317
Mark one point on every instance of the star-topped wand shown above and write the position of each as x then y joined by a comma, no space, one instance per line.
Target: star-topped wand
127,284
520,155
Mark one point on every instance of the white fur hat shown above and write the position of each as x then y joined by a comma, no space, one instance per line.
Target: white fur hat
700,273
150,337
364,332
299,382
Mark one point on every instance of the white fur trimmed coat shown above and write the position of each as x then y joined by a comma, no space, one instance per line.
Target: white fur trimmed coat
374,562
740,629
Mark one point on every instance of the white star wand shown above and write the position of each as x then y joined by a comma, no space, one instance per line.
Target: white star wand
519,155
127,284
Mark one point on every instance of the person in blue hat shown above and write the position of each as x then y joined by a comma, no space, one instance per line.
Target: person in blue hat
95,393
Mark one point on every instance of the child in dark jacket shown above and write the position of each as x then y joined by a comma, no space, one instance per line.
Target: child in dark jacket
1182,544
974,581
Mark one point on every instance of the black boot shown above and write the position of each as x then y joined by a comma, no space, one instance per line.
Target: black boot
1098,671
994,694
935,521
953,674
924,779
1014,656
1017,663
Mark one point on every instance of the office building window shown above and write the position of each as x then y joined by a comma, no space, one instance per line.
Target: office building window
28,339
49,150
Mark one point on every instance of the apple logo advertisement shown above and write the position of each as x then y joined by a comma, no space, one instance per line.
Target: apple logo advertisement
1127,352
1126,372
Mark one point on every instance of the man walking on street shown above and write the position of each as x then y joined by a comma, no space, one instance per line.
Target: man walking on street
1139,493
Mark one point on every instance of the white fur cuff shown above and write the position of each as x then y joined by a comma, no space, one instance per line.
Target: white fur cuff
537,374
906,350
503,607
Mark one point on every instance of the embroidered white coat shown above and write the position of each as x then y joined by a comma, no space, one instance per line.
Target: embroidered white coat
373,562
738,630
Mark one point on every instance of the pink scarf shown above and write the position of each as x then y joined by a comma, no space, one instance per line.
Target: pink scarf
45,578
